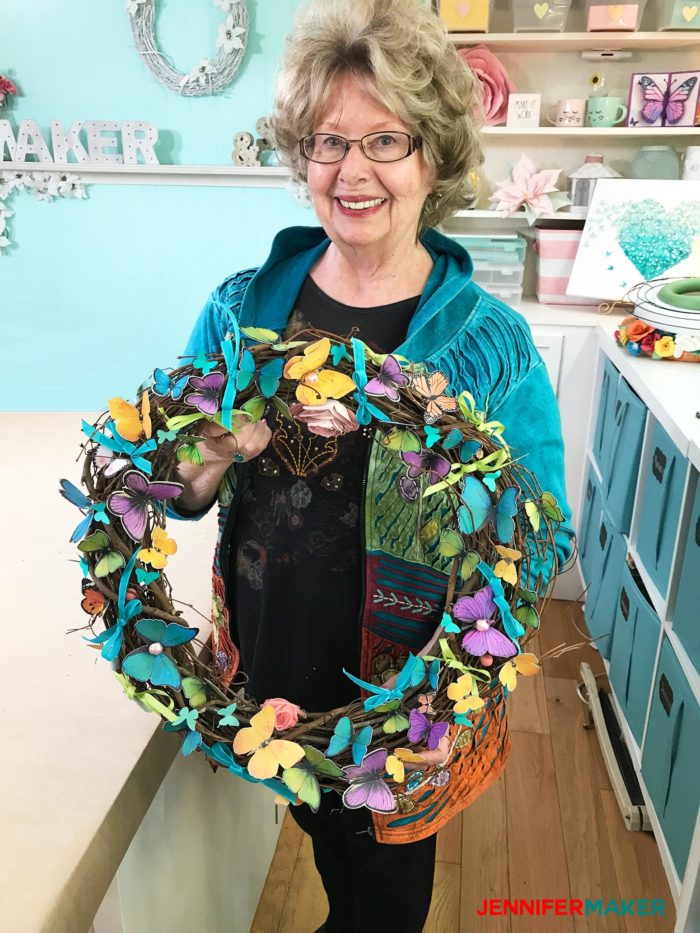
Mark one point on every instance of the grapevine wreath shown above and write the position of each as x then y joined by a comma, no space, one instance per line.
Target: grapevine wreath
498,540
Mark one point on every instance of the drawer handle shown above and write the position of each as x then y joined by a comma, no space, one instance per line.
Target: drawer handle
697,532
661,525
675,741
658,465
624,603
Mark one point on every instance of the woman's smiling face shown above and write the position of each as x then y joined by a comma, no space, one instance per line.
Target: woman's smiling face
397,190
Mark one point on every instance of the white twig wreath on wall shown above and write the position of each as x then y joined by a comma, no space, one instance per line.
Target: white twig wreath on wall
209,76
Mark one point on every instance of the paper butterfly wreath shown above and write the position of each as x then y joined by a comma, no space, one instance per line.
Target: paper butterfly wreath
498,540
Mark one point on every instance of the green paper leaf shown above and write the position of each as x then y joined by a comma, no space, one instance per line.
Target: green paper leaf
527,615
97,541
396,722
260,334
282,408
109,563
189,453
451,544
469,564
527,596
182,421
196,691
255,407
405,441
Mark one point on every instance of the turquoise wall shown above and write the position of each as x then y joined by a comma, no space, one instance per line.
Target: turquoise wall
96,293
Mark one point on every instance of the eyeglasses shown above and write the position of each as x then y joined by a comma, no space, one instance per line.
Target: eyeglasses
379,147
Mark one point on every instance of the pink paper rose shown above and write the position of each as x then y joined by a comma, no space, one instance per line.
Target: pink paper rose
286,714
495,83
6,87
329,420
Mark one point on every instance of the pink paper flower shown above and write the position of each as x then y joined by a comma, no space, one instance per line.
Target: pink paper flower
329,420
534,191
286,714
6,87
495,83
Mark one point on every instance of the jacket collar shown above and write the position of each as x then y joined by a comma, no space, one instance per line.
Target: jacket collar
448,299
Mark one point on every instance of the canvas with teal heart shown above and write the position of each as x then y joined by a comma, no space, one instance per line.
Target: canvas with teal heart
630,237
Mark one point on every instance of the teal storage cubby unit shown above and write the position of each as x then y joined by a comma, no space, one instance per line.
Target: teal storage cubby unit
686,615
635,640
662,480
671,759
607,560
624,448
605,422
588,526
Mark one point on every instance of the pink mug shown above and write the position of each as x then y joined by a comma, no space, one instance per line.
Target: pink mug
567,112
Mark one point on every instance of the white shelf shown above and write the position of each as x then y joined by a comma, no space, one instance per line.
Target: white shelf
628,133
204,175
576,41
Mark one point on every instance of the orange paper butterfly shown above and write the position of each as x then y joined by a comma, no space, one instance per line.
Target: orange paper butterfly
432,387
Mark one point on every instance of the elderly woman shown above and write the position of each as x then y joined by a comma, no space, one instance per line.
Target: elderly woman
375,117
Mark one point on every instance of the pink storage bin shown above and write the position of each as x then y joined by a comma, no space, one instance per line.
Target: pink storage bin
556,250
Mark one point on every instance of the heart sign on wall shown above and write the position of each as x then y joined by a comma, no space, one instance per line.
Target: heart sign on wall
631,237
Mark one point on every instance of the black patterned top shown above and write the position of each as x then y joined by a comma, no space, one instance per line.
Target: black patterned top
295,587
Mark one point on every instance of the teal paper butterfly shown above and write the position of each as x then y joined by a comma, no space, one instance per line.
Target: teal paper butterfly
489,479
226,717
339,352
158,668
186,719
146,576
268,377
344,735
203,363
432,435
478,509
452,439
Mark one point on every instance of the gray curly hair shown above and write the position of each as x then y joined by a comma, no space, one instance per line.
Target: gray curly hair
399,51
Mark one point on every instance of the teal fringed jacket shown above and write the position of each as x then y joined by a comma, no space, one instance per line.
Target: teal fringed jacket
486,349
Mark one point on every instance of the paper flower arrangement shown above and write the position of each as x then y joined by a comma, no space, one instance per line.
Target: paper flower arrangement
401,735
6,88
494,80
529,190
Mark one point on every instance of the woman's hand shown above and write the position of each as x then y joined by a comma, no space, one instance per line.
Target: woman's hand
219,448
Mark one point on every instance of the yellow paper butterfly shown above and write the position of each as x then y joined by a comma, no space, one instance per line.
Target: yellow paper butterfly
526,664
460,690
268,754
432,387
505,568
131,423
162,548
317,385
395,769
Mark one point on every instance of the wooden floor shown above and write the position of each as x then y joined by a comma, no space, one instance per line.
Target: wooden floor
550,828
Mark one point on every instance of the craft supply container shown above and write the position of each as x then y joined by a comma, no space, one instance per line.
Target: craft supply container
617,17
539,16
679,14
466,15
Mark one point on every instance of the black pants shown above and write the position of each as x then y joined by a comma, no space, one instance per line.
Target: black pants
372,887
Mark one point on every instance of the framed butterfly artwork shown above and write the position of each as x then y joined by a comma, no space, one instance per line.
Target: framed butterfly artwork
663,99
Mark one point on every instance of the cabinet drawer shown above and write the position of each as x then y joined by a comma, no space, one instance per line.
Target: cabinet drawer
686,616
622,454
601,598
660,497
636,636
671,758
602,436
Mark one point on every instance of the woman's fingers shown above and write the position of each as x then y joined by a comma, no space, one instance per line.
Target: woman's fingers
437,756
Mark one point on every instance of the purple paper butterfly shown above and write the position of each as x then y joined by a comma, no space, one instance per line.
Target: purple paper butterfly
427,461
367,785
206,396
388,380
408,488
131,502
421,731
480,609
